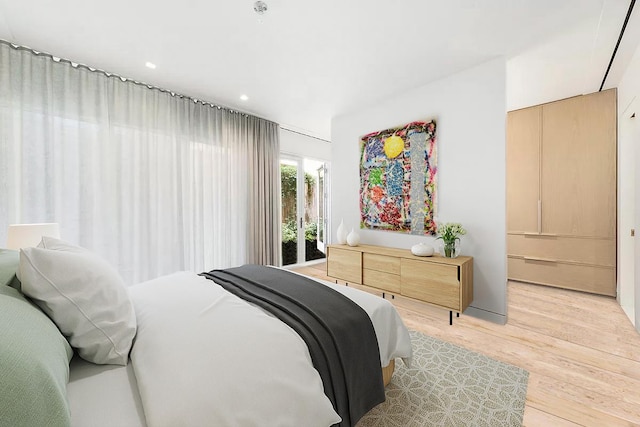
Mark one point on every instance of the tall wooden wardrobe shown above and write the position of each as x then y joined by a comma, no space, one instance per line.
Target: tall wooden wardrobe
561,193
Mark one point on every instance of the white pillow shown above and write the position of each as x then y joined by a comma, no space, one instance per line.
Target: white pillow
84,296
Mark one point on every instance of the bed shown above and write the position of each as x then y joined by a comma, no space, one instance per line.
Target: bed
198,355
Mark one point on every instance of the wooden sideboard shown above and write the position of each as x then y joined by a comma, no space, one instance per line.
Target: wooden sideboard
444,282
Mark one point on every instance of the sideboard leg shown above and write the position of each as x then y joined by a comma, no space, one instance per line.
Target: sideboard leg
450,317
457,314
393,296
383,295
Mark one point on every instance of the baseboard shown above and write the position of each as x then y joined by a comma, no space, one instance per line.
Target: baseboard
500,319
628,310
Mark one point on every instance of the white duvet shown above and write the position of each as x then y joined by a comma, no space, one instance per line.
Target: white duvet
204,357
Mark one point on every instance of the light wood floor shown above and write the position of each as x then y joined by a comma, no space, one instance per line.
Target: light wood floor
581,351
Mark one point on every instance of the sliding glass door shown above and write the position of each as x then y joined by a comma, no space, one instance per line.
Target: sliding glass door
304,209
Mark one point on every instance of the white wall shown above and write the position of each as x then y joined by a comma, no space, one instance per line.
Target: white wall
469,109
627,130
629,190
295,143
555,69
573,63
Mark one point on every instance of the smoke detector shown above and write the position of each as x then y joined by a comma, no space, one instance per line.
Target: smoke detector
260,7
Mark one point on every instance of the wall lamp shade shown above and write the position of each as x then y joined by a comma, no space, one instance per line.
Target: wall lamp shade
29,235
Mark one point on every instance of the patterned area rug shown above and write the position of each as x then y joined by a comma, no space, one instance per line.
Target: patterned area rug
448,385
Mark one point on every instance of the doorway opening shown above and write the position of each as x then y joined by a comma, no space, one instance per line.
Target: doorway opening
304,209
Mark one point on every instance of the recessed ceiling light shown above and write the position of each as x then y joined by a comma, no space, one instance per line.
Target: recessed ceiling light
260,7
244,97
150,65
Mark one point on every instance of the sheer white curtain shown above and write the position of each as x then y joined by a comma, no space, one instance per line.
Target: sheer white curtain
153,182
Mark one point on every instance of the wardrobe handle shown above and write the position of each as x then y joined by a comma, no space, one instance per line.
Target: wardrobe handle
527,258
539,216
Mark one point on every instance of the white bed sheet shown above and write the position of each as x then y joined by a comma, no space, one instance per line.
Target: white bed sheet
108,395
392,334
103,395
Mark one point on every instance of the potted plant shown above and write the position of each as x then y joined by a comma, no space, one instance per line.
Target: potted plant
450,233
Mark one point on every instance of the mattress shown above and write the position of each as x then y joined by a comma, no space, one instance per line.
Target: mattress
103,395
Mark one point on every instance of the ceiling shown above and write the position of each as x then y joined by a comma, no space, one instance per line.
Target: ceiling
302,62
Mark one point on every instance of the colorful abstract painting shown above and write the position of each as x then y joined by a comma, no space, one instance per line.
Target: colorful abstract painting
398,171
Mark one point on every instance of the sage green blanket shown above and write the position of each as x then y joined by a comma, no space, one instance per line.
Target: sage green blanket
34,360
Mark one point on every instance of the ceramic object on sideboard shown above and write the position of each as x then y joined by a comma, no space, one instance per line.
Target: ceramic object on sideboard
353,239
422,249
342,233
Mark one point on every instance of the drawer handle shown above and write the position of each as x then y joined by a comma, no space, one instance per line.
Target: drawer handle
527,258
529,234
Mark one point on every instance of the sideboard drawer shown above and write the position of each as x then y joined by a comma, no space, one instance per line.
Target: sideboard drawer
434,283
381,280
381,263
345,265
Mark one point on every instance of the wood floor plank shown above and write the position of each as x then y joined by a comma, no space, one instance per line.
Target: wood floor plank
545,394
582,354
534,417
614,343
561,311
581,351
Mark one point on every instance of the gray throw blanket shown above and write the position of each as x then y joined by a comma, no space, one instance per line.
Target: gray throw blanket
337,331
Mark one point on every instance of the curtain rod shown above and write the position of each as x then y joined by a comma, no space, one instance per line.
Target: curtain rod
615,50
125,79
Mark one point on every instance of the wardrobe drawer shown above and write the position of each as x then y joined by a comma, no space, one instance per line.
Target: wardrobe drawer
384,263
381,280
582,250
434,283
600,280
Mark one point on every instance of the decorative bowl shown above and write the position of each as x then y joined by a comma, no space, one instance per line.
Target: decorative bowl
422,249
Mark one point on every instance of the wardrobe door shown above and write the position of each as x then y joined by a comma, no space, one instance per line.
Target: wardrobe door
523,169
579,166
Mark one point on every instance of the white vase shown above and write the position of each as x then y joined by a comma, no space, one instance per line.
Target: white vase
341,233
353,238
422,249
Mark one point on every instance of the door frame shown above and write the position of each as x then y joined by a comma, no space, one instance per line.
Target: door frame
323,213
300,204
299,162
